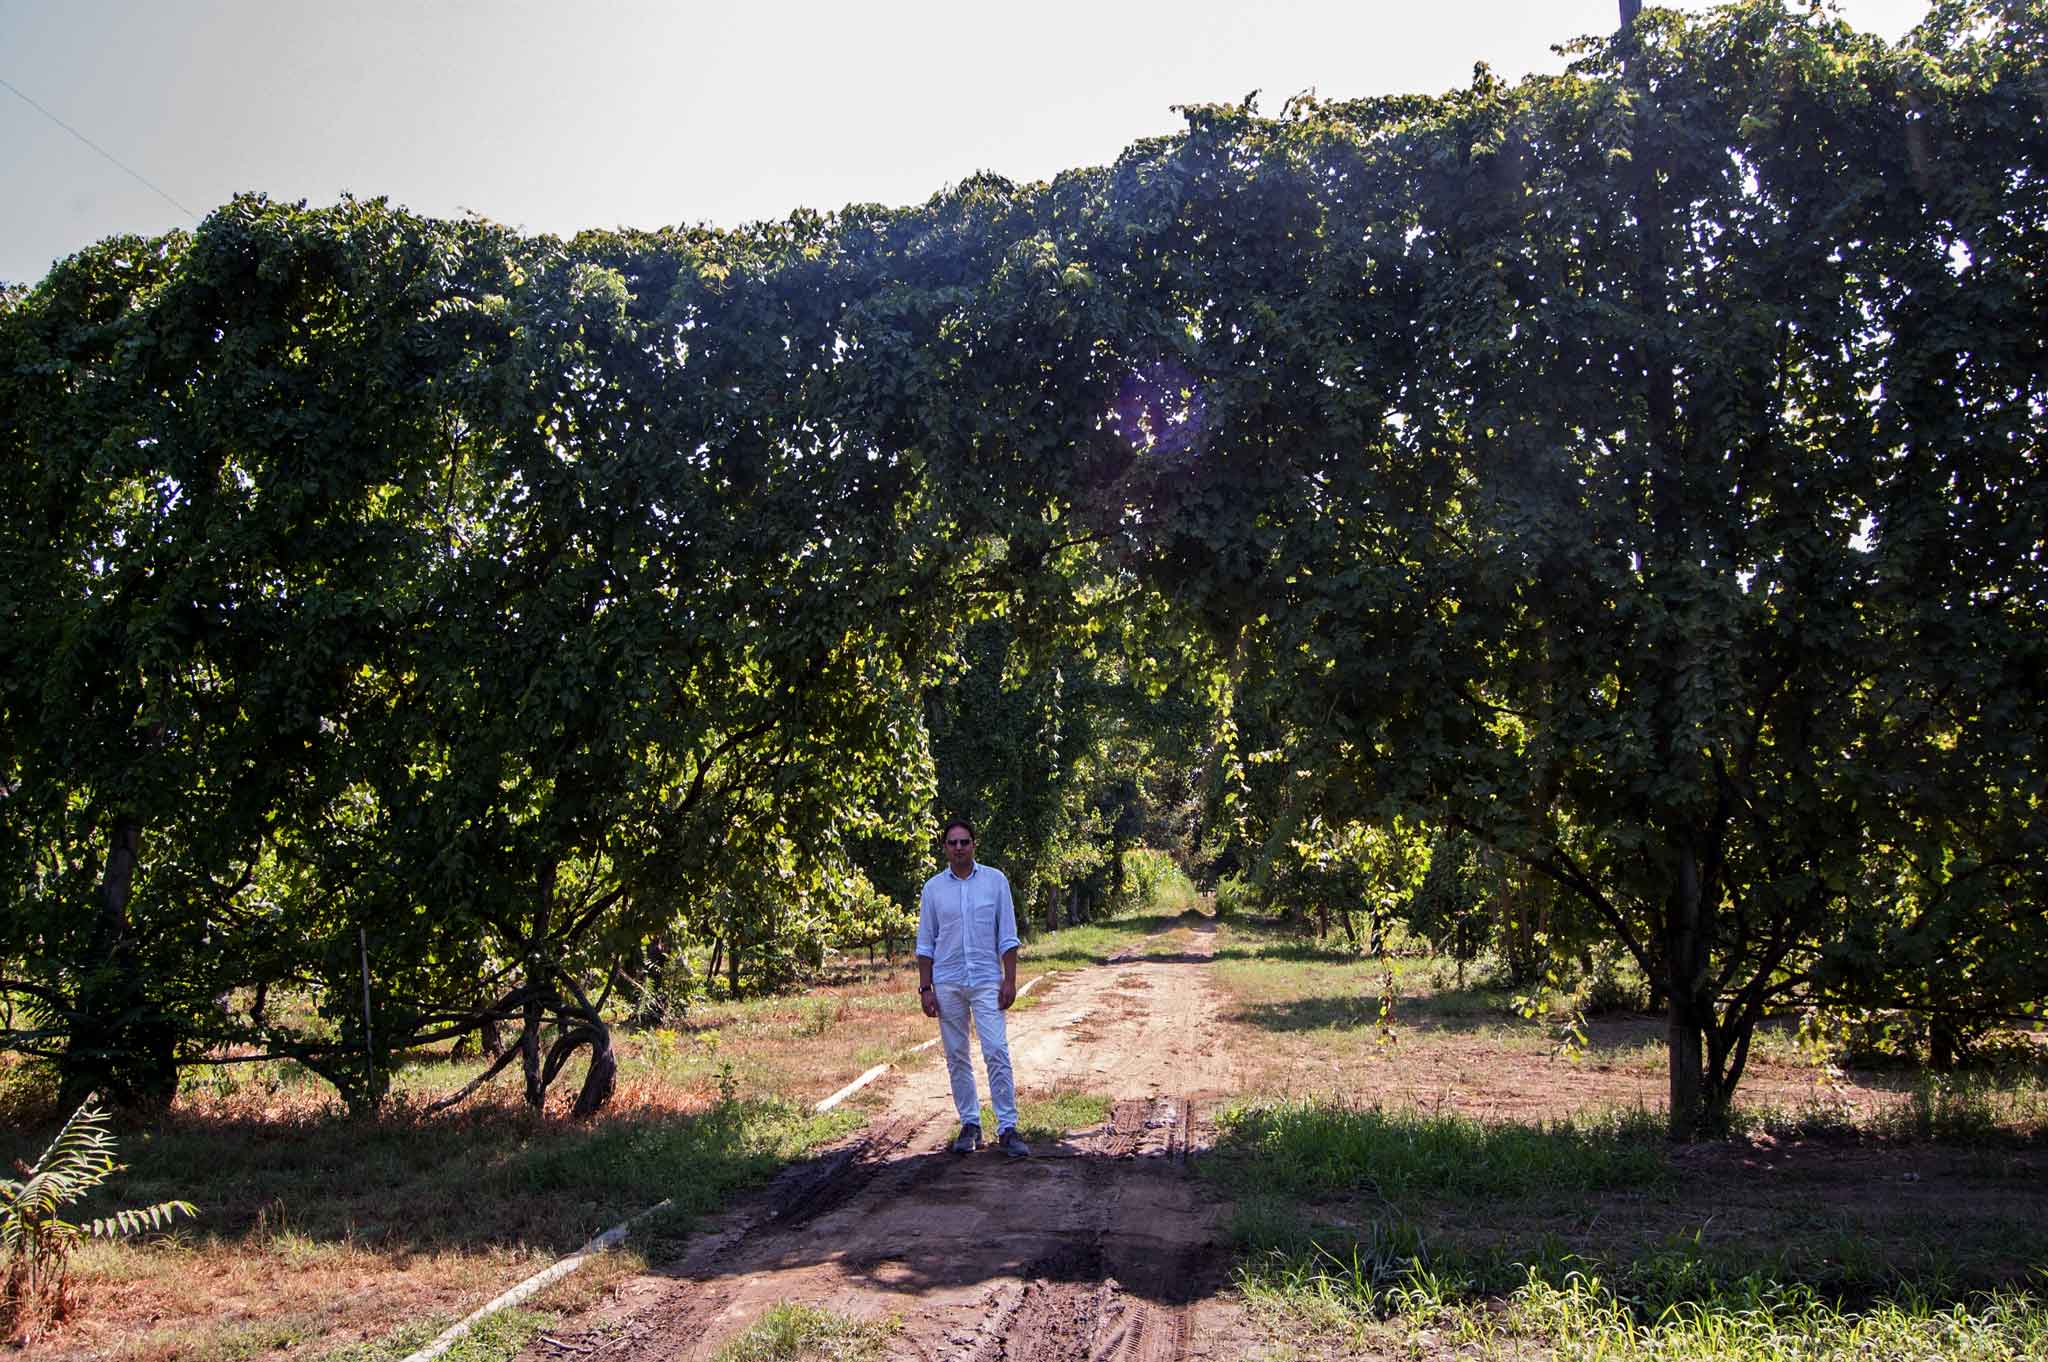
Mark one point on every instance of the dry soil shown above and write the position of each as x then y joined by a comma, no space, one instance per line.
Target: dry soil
1103,1246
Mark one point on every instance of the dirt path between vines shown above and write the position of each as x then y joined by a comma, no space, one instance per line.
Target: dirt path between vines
1104,1246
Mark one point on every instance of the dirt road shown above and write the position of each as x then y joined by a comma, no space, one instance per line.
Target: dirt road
1102,1247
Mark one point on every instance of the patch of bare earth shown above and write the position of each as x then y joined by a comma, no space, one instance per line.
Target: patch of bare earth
1100,1247
1841,1207
1317,1035
1470,1071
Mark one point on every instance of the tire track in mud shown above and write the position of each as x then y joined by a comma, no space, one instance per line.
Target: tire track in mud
1111,1294
1110,1291
700,1290
835,1180
1103,1249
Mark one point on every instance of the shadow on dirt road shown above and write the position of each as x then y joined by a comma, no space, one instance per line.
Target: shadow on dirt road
1104,1246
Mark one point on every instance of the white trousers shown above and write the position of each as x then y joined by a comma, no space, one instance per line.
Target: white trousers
957,1002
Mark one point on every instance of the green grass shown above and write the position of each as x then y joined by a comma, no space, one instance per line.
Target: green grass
1046,1119
1422,1233
1092,943
696,1161
1975,1111
1970,1110
1757,1318
527,1190
1386,1287
489,1179
1287,982
1879,1221
494,1339
1316,1149
803,1333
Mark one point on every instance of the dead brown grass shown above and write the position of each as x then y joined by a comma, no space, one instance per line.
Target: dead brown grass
319,1231
1307,1025
1831,1179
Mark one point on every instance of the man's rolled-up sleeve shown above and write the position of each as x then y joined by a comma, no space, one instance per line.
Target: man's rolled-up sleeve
1006,922
925,945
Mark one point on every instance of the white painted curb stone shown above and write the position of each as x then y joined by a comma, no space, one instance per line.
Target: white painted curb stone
851,1088
872,1074
457,1331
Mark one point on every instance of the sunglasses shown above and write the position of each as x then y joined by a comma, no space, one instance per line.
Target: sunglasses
959,841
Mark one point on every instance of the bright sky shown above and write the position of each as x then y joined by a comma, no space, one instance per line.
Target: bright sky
554,115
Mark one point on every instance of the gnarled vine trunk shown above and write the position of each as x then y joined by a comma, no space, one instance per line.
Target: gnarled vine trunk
122,1045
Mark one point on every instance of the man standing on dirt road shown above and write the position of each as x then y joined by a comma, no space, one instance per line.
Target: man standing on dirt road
967,968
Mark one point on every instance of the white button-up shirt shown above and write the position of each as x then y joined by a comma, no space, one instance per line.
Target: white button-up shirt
964,926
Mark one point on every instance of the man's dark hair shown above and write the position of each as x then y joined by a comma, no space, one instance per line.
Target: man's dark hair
958,823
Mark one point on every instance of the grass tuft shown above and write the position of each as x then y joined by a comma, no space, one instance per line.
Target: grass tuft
1763,1319
1968,1111
695,1161
493,1339
1046,1119
1317,1149
804,1333
1972,1111
1680,1305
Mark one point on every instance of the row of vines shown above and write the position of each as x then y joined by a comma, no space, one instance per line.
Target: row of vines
1617,493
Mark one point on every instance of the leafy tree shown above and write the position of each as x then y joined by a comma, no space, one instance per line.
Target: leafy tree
1689,556
452,653
198,433
643,690
1633,474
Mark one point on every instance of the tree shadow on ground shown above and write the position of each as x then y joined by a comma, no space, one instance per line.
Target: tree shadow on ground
1294,952
1157,958
1361,1011
1347,1012
492,1176
1487,1207
937,1220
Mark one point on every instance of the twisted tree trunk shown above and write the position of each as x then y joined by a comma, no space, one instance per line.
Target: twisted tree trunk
121,1044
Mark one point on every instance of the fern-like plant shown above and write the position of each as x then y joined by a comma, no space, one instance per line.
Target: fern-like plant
38,1240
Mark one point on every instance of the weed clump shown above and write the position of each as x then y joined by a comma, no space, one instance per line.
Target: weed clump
1314,1149
792,1332
38,1240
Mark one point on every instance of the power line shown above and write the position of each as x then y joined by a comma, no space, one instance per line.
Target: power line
139,176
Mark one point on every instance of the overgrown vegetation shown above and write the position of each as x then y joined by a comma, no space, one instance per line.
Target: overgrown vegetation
1595,520
1399,1200
39,1241
1671,1306
1312,1149
1405,1228
804,1333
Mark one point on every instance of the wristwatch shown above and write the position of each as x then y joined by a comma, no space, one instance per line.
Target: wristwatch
924,988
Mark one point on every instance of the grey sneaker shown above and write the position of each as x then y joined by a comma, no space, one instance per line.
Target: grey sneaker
968,1140
1011,1143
